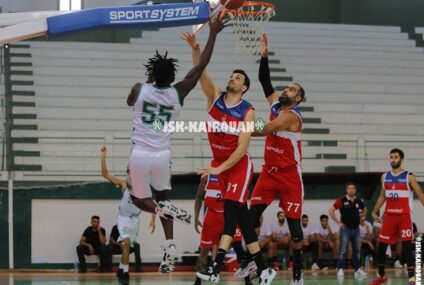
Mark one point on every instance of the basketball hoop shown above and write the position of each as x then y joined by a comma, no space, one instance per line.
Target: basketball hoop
249,24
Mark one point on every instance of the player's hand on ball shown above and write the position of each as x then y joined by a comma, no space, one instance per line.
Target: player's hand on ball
190,38
197,224
218,24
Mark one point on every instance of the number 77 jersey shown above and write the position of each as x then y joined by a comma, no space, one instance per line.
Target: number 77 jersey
154,107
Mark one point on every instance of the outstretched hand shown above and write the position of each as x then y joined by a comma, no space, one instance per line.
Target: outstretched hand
190,38
217,24
264,45
103,151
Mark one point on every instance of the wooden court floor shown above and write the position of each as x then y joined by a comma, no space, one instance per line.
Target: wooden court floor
396,277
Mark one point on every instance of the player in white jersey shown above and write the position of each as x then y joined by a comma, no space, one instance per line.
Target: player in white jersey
156,102
127,220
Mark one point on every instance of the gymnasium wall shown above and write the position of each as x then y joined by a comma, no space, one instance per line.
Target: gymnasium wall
49,220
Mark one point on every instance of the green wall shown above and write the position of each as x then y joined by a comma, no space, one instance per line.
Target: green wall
4,233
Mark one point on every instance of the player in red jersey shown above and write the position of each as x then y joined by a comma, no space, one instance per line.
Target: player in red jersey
281,173
231,163
213,223
398,187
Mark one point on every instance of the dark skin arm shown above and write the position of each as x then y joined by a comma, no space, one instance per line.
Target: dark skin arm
132,97
185,86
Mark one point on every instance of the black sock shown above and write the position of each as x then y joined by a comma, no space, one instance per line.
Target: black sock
381,270
238,248
219,260
259,260
297,264
411,272
247,280
198,281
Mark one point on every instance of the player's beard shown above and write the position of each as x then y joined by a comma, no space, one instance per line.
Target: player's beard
395,165
281,221
231,89
286,101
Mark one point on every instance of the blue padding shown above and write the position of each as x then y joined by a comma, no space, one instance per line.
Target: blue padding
160,16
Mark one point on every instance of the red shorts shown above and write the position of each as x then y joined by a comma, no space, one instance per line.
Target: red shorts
393,225
234,182
287,183
213,228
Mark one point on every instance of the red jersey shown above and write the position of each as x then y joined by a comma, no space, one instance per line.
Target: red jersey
283,148
224,142
213,197
399,196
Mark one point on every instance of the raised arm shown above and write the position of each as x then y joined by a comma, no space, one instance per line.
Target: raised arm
417,188
264,72
132,97
209,88
190,80
380,201
286,120
200,196
115,180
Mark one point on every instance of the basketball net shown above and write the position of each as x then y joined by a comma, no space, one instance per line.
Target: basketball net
249,24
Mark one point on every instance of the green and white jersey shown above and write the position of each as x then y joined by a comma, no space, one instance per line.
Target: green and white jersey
154,106
127,207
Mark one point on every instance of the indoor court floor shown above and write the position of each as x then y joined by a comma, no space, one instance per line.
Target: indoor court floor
396,277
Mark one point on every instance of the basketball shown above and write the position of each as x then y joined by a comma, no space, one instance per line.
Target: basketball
232,4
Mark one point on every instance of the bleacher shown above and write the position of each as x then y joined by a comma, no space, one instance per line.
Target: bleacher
363,84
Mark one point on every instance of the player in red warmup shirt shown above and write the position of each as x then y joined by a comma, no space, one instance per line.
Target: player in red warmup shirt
398,187
281,173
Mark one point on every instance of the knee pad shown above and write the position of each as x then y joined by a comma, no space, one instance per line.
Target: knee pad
256,212
295,228
231,209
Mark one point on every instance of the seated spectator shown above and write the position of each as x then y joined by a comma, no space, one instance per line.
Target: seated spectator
307,229
265,238
115,247
325,239
280,237
365,230
93,242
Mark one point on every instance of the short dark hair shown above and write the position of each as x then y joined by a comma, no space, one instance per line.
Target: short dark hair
280,212
246,78
401,153
301,92
161,69
304,216
95,217
350,183
322,217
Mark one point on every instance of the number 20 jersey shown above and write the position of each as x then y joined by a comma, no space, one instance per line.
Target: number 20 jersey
153,105
399,196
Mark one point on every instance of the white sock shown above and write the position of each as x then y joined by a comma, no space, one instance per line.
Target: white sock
124,267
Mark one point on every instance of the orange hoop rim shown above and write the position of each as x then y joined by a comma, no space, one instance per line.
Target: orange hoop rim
237,12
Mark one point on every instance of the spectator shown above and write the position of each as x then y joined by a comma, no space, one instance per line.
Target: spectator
280,237
349,207
115,247
365,230
307,232
265,238
93,242
323,235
